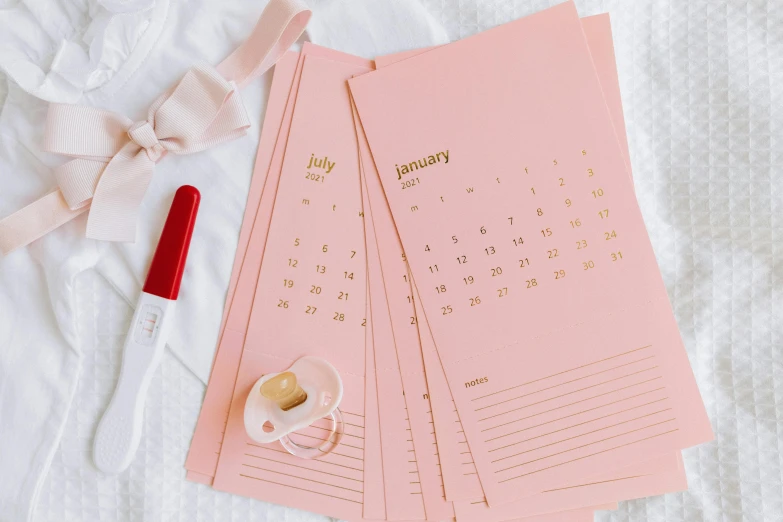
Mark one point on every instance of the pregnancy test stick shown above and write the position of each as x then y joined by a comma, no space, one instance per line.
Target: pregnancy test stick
119,431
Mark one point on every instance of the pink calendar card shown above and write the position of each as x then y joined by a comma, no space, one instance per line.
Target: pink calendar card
536,274
405,336
205,446
402,480
418,414
411,468
459,474
660,476
310,300
208,437
373,494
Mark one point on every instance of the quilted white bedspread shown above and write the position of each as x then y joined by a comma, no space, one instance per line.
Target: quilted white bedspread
702,86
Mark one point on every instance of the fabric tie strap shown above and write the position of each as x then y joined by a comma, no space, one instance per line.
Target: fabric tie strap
114,157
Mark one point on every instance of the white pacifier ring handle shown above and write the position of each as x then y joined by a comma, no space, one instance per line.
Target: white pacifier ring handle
314,452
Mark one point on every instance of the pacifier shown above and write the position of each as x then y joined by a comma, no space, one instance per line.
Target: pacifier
282,403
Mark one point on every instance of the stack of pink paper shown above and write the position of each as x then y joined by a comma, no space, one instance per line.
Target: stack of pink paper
455,229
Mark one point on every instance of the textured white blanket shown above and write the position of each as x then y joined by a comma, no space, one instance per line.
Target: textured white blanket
702,85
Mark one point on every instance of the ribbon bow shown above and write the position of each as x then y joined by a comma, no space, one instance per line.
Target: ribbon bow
115,157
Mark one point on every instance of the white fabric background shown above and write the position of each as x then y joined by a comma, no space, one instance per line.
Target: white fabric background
702,85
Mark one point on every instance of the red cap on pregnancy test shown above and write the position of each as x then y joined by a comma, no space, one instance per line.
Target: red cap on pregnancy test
168,263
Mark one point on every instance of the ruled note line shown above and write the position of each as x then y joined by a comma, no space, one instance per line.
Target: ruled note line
345,434
569,393
576,402
318,460
561,373
300,489
580,424
591,455
584,445
596,483
300,434
582,435
303,467
563,383
576,486
585,411
336,452
302,478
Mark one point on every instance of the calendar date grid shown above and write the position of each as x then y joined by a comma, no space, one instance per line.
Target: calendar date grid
306,289
528,250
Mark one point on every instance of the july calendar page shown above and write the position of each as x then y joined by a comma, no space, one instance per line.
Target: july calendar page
310,300
509,192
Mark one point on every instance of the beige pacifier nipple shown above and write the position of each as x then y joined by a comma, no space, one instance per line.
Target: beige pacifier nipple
284,390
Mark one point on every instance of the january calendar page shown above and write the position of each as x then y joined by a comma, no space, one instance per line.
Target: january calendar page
510,195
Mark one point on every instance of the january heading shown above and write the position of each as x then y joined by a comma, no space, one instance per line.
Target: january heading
422,163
